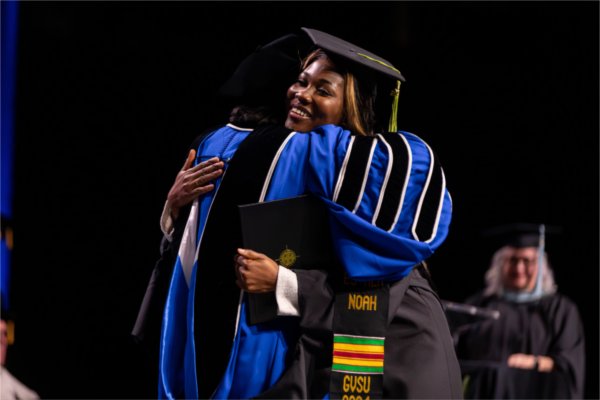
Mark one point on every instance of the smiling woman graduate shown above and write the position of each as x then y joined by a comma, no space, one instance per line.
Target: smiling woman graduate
375,328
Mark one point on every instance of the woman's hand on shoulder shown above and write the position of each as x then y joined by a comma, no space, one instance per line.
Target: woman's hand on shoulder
255,272
192,182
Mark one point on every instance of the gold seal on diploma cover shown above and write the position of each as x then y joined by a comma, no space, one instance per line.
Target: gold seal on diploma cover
287,257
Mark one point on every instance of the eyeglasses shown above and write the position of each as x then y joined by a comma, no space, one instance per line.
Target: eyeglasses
528,262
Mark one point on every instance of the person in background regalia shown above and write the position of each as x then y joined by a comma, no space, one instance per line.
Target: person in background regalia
535,348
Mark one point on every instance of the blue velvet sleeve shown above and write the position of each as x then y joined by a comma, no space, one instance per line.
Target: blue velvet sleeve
387,196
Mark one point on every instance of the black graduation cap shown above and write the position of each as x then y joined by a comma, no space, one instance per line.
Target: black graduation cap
517,234
352,52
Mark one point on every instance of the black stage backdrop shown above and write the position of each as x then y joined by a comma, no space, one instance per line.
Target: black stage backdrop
109,96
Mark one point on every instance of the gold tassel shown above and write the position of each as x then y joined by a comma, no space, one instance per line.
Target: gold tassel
393,124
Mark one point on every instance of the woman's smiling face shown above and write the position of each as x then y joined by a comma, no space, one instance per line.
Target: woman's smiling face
316,98
520,269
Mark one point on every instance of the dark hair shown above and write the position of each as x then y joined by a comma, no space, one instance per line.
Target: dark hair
360,93
253,116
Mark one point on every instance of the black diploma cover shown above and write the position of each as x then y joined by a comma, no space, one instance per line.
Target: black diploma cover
294,232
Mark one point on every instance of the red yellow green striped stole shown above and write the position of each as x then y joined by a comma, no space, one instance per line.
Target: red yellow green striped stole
358,354
360,321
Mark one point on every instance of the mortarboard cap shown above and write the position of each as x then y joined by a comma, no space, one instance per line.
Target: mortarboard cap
353,53
517,234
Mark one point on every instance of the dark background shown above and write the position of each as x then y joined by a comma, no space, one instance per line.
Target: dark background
110,95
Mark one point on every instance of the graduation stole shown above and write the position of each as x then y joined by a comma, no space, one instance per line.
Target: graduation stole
360,322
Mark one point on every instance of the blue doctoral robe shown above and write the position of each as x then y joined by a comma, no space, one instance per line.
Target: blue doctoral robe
389,210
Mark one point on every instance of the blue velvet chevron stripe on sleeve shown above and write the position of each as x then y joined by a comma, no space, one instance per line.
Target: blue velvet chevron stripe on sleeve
397,176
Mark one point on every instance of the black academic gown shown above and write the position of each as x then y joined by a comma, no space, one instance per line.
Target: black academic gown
549,327
420,361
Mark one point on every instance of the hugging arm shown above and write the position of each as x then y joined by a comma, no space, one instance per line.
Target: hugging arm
190,183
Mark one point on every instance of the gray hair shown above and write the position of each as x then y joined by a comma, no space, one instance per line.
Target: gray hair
493,276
